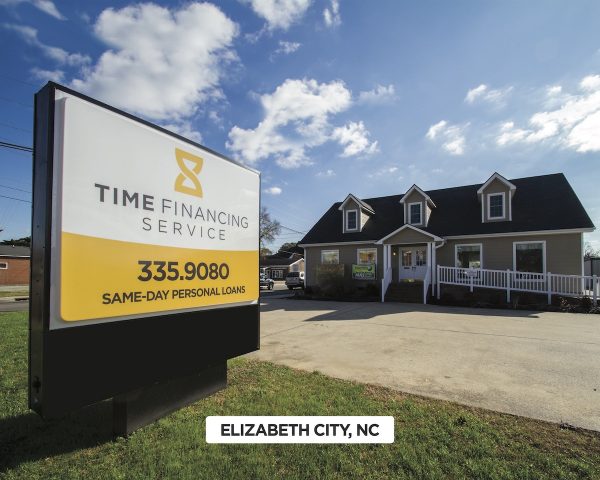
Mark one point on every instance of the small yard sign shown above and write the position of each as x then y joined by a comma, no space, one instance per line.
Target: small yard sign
364,272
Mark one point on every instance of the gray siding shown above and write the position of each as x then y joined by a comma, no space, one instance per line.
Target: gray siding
348,257
563,252
408,235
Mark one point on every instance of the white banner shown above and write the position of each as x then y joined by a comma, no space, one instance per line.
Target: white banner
281,429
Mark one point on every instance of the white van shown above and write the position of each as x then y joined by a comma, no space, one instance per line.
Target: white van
294,279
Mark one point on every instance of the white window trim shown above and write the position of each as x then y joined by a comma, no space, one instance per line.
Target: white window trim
480,245
489,213
3,265
543,242
420,213
329,251
358,250
357,221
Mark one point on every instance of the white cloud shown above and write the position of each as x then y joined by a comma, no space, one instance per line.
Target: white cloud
380,95
573,124
383,172
326,174
280,14
553,90
285,48
273,191
354,137
486,94
331,15
46,75
162,63
296,118
185,129
451,137
45,6
30,36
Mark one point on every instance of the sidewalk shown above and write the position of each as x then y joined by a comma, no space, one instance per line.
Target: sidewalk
21,293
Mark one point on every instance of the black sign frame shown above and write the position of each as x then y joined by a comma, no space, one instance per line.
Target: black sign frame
77,366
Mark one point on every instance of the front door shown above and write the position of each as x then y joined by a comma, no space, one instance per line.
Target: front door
413,263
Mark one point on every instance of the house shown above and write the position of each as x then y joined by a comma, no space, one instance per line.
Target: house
14,265
533,224
277,266
592,266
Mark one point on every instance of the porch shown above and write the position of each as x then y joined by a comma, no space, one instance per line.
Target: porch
409,260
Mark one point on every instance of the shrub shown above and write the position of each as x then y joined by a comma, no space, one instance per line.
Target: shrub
372,290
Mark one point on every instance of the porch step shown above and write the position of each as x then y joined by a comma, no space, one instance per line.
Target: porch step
409,292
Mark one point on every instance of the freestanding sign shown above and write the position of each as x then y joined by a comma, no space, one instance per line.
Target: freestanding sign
145,257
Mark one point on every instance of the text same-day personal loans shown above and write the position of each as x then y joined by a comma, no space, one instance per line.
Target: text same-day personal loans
173,208
157,295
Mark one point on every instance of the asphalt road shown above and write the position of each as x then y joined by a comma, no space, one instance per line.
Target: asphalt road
542,365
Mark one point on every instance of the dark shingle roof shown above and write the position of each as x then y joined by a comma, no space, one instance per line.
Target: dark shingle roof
12,251
545,202
279,259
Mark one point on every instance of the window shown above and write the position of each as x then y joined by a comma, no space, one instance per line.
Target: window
351,219
495,206
420,257
406,258
3,265
468,256
366,256
414,213
529,257
330,257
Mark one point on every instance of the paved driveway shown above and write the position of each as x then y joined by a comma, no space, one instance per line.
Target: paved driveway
543,365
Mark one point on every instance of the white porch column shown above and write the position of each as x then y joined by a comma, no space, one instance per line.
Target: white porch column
433,265
389,255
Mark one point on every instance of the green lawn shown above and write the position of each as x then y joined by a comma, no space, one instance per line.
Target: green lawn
434,439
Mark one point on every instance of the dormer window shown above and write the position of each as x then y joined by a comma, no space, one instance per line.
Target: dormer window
415,213
351,220
495,196
496,206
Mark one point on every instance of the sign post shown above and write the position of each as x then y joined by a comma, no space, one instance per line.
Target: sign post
145,263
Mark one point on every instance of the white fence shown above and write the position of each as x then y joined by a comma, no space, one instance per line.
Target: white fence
509,280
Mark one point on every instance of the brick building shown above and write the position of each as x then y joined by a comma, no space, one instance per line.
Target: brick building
15,264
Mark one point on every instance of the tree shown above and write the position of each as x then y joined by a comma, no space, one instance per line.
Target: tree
268,228
590,252
17,242
265,252
288,247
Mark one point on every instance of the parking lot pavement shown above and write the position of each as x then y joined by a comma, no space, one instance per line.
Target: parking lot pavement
543,365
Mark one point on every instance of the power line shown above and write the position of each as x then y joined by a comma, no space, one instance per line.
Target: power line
18,199
15,146
8,125
15,188
19,80
8,100
292,230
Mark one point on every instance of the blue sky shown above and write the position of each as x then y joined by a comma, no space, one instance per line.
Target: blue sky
324,97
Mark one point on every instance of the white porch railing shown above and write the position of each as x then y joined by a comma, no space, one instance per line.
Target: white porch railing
426,284
385,282
510,280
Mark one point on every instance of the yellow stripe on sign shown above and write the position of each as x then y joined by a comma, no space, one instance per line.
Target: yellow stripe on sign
104,278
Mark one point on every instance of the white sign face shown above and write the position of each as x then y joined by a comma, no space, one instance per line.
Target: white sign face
145,223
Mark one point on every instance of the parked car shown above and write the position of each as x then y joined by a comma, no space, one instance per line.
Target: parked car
266,282
294,279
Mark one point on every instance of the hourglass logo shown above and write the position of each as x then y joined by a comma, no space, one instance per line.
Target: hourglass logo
188,174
